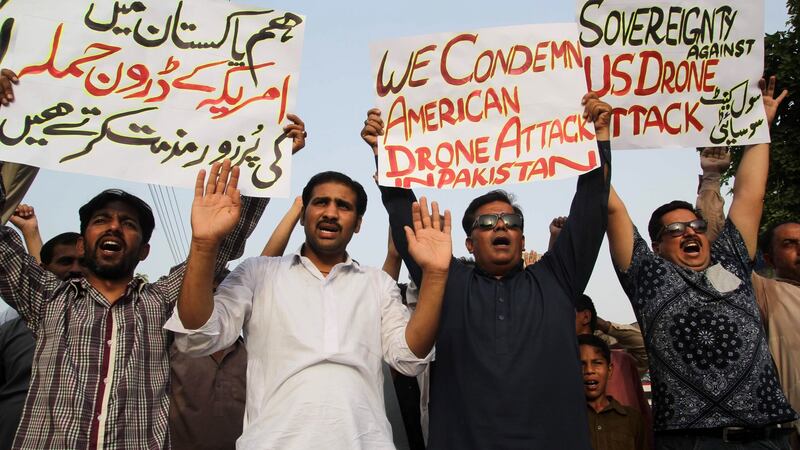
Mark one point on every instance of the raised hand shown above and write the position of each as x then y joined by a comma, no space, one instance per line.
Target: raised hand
217,204
297,132
7,79
556,225
373,127
770,102
24,218
530,257
715,159
429,243
598,112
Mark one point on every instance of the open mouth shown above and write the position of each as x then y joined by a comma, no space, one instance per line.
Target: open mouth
691,246
110,246
591,384
328,229
501,241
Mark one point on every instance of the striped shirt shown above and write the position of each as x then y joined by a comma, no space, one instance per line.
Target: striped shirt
101,371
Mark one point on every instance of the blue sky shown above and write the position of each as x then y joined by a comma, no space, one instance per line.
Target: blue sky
334,95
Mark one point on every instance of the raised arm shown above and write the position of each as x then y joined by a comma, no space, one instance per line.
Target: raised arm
575,251
392,262
24,284
396,201
620,232
751,177
215,212
556,225
279,239
714,161
24,218
252,208
430,244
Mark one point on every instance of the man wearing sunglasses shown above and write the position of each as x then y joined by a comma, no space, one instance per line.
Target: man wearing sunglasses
507,372
713,379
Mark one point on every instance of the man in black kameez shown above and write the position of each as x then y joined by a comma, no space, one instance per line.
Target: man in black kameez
507,373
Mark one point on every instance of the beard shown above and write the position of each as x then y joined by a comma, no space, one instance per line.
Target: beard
121,269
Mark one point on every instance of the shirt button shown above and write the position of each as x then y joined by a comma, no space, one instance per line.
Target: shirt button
599,428
108,342
501,317
500,300
105,380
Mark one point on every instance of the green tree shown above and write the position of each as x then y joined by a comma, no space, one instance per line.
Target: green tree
782,59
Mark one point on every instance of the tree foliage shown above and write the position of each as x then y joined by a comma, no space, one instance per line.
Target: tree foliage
782,59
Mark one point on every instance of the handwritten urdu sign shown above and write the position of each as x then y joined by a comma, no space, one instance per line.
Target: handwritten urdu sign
678,74
151,90
482,108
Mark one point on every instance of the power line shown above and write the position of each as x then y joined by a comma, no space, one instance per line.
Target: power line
172,222
161,217
182,223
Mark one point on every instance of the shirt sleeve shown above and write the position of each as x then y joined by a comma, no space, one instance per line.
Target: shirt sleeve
631,340
24,284
760,290
233,304
575,251
729,248
394,318
232,248
642,255
398,203
710,204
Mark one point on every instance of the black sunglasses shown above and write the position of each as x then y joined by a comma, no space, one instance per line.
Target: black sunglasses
489,221
676,229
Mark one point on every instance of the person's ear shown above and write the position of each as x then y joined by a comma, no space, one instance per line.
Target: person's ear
145,250
358,224
468,243
768,260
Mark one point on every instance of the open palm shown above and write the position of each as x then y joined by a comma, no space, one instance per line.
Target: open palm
217,204
430,243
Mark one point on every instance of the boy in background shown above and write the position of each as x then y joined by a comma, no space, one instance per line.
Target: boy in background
612,426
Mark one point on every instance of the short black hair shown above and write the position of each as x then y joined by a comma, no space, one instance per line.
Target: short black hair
585,303
146,220
594,341
497,195
337,177
655,225
765,240
68,238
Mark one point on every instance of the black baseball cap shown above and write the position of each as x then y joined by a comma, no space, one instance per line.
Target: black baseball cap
146,219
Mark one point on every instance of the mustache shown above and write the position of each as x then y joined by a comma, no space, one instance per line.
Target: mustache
333,222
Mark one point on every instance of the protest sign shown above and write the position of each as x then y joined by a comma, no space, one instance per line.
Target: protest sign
151,90
482,108
678,75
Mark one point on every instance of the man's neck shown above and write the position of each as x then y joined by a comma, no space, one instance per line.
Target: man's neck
585,330
600,403
323,262
112,290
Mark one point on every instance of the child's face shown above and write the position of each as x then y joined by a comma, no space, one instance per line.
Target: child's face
596,371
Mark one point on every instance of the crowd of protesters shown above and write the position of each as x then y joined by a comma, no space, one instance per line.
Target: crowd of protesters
504,350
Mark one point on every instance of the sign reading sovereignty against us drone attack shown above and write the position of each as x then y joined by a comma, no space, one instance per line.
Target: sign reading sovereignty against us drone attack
678,75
